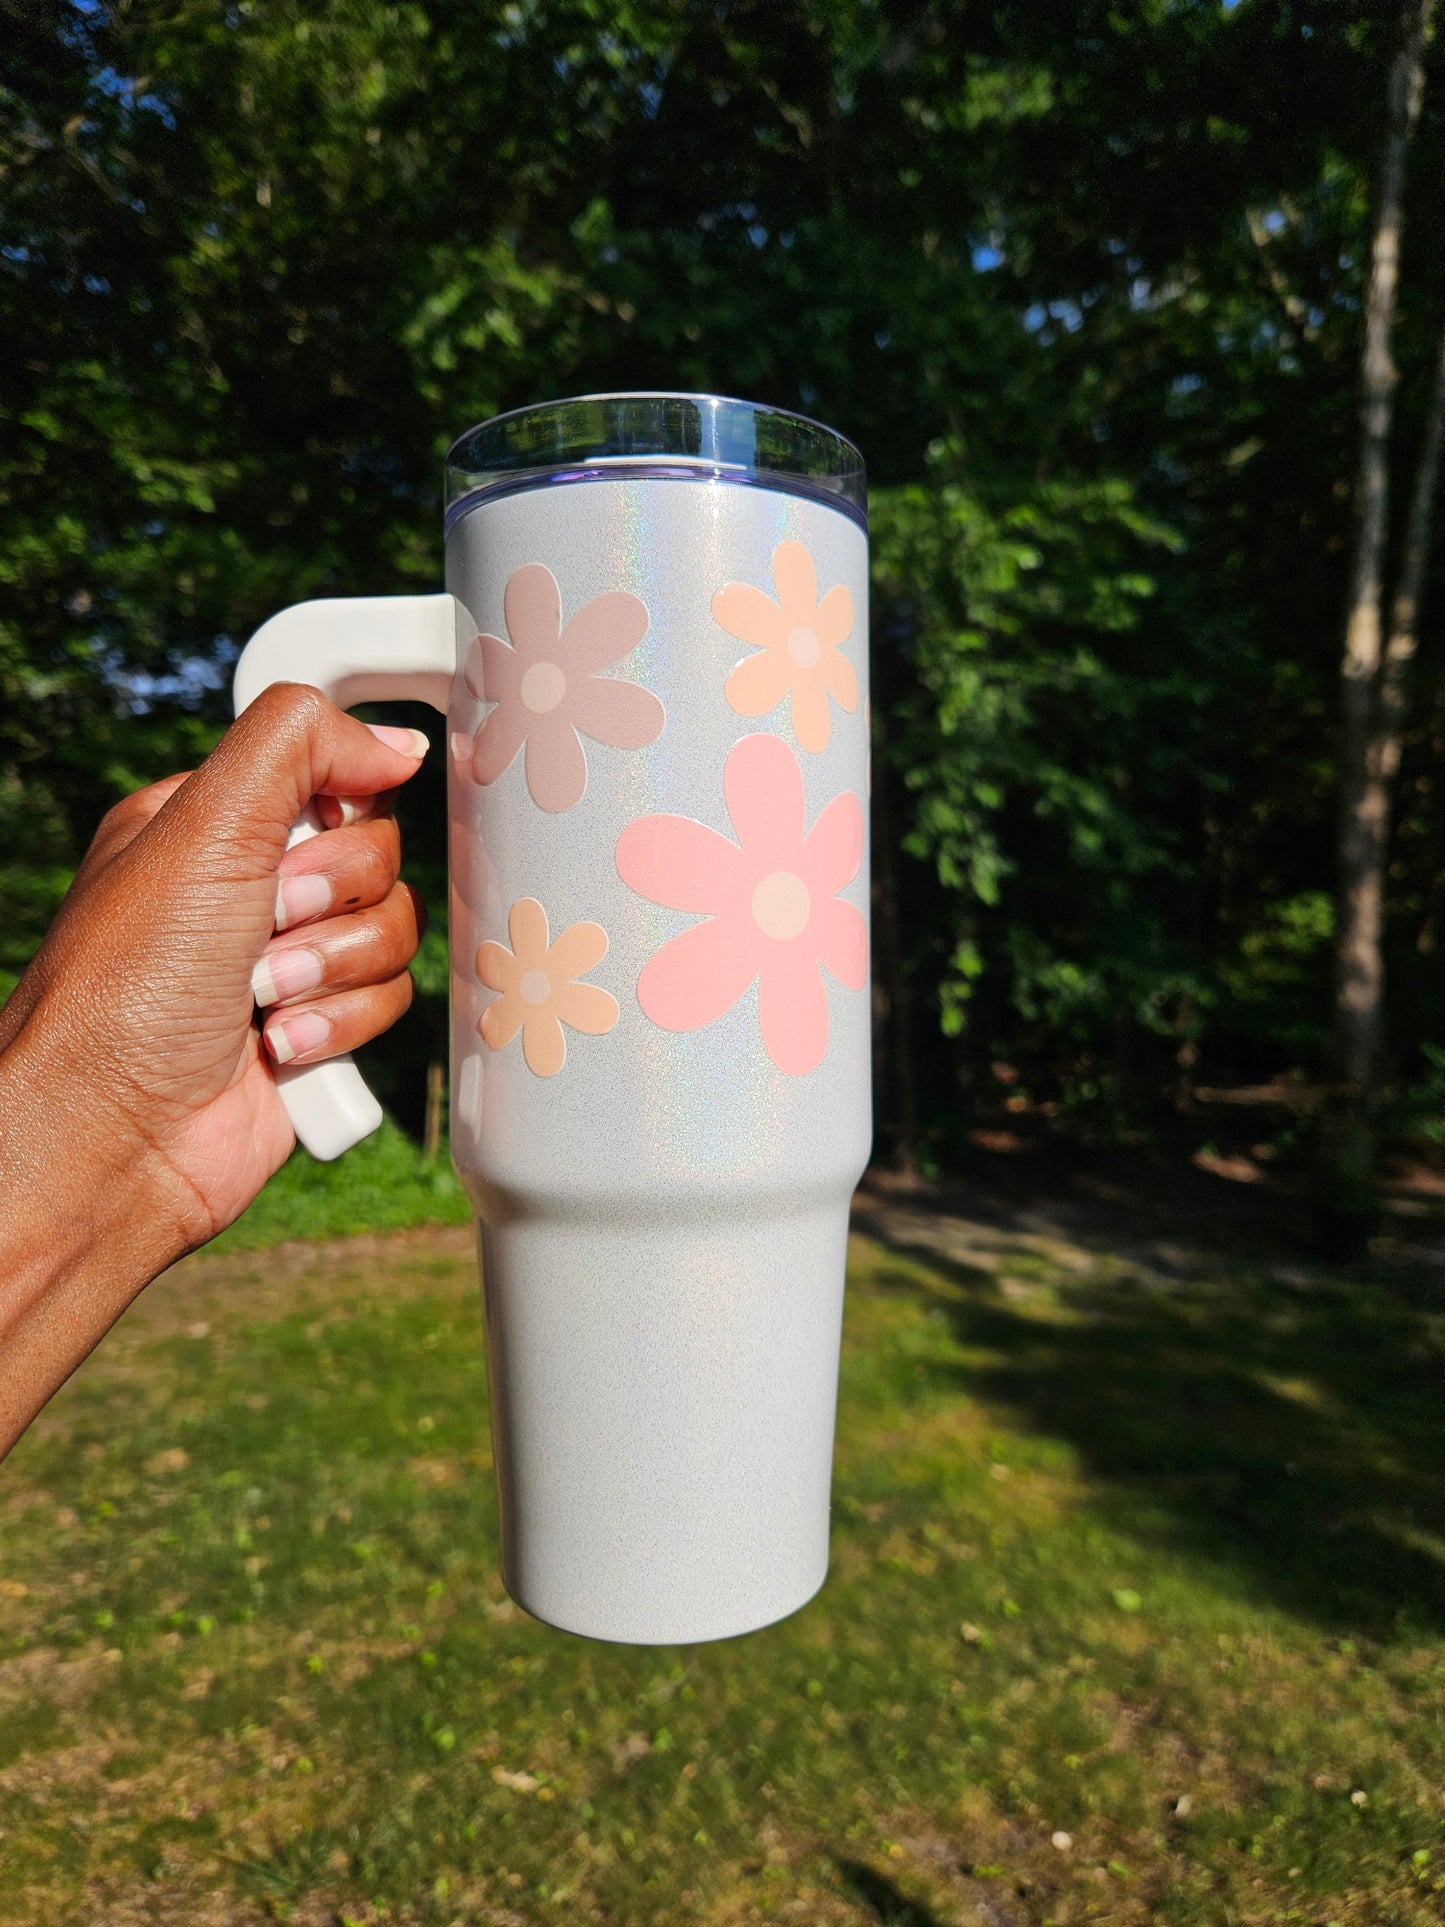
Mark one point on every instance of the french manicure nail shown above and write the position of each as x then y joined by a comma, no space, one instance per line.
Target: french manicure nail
286,973
338,811
411,742
290,1037
298,898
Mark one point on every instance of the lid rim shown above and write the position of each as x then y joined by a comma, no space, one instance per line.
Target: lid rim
847,466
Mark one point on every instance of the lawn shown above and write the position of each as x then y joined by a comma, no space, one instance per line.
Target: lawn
382,1184
1137,1613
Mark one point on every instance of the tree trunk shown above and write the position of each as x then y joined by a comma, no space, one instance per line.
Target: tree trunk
436,1090
893,1016
1348,1196
1405,611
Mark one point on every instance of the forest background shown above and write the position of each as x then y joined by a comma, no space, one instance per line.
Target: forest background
1085,282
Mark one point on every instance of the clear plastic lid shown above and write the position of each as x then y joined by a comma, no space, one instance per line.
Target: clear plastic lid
691,437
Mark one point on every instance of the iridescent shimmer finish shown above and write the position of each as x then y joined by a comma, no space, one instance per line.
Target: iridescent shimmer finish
663,1222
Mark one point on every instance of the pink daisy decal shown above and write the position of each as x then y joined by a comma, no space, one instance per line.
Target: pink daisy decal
771,903
547,689
799,642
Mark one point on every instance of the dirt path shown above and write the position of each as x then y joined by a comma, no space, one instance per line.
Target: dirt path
1172,1221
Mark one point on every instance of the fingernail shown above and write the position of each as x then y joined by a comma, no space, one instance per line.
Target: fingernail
298,898
410,742
298,1036
338,811
286,973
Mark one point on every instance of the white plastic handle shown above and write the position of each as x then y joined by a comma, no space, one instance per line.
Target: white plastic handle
355,650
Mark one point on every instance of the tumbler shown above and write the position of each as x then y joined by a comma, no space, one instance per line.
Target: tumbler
652,655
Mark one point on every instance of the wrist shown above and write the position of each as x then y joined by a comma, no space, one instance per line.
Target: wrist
84,1223
90,1181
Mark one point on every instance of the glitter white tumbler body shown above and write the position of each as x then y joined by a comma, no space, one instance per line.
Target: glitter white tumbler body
660,1015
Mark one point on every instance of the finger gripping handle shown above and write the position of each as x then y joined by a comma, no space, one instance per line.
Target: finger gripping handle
354,650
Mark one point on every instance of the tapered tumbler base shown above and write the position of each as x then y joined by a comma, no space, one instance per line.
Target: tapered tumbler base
663,1400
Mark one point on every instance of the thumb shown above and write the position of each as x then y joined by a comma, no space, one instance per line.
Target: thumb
291,744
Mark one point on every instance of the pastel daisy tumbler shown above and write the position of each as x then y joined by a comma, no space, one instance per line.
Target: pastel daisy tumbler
652,656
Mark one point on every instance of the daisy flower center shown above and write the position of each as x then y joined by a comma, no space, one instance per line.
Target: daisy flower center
804,647
536,987
781,905
543,687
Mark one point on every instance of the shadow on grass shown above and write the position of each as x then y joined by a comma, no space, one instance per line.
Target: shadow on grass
887,1902
1290,1425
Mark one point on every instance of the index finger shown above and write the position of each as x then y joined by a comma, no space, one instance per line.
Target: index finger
127,818
291,744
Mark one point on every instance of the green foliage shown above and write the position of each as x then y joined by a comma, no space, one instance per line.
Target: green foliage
1281,971
1022,709
1083,283
1421,1106
382,1184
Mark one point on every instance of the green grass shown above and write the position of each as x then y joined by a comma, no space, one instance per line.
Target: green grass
1154,1562
385,1183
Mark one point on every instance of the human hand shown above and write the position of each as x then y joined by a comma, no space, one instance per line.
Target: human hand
138,1111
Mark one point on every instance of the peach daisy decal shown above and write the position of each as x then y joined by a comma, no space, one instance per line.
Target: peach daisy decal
799,642
539,988
773,915
547,691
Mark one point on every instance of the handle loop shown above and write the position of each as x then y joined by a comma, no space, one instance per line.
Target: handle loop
354,650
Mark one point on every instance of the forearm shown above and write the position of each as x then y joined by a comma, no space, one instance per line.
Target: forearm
80,1235
138,1111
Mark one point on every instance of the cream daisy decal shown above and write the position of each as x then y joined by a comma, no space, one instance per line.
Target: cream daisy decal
799,641
539,988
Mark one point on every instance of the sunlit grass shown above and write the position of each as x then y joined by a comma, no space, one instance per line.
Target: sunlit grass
385,1183
255,1661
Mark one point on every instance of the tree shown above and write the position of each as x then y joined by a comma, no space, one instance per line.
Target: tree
1083,282
1369,718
